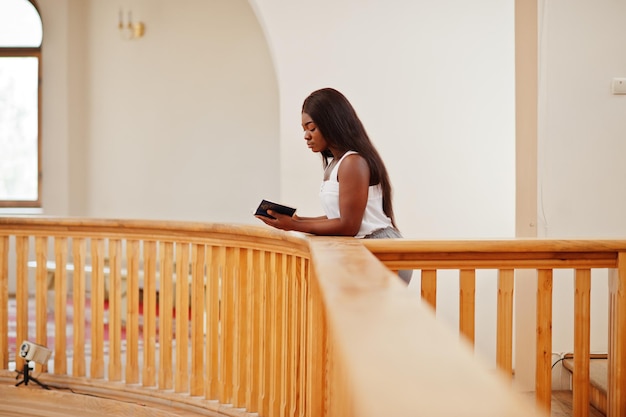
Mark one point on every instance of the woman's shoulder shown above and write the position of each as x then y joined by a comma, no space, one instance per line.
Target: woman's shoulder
350,158
353,163
350,155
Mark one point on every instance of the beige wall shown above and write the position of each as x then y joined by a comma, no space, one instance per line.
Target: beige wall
180,124
582,141
433,84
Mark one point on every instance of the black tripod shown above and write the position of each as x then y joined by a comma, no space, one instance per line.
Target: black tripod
28,377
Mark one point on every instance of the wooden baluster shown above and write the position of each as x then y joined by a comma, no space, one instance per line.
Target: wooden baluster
79,250
166,309
304,279
225,347
316,352
97,308
283,323
115,310
181,378
60,306
616,401
149,303
543,376
227,323
21,295
215,261
275,335
133,259
254,340
504,332
293,308
4,301
467,300
266,334
197,318
41,296
429,287
582,318
242,321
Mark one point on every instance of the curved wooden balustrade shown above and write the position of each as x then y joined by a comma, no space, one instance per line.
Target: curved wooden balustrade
283,324
240,307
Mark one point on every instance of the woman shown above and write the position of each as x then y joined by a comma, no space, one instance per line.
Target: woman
356,191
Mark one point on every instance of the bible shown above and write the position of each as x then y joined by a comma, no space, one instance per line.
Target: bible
270,205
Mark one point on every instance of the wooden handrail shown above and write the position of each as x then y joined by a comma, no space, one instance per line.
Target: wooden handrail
396,359
284,324
499,254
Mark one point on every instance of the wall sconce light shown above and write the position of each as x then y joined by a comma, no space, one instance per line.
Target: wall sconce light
130,30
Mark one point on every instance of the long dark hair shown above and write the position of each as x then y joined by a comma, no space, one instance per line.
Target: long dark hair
338,122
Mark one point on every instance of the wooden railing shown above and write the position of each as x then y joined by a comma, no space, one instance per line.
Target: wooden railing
241,320
222,323
542,256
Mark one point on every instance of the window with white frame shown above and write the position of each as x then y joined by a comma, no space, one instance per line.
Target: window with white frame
21,35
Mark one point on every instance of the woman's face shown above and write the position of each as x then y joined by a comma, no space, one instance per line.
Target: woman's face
314,138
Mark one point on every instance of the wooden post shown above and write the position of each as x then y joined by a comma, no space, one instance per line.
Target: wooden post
467,299
215,260
115,310
166,308
79,253
196,385
149,303
242,319
581,342
504,332
616,401
227,324
429,287
97,308
274,334
4,301
60,305
133,254
41,304
543,373
181,377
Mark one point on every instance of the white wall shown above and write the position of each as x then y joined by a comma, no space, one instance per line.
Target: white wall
55,109
180,124
582,142
580,148
583,130
433,84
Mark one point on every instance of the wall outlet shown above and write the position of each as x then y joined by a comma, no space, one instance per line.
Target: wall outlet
619,86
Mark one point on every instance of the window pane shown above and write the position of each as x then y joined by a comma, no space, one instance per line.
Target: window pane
20,24
18,129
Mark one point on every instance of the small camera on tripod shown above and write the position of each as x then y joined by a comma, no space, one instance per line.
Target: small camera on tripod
33,352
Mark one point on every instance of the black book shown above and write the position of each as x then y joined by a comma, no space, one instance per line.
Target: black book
278,208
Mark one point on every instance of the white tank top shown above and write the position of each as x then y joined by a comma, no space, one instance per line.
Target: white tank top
374,217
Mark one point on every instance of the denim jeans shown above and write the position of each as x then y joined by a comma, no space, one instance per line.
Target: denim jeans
391,233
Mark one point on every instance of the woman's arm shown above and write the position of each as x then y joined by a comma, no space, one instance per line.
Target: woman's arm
306,219
353,177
